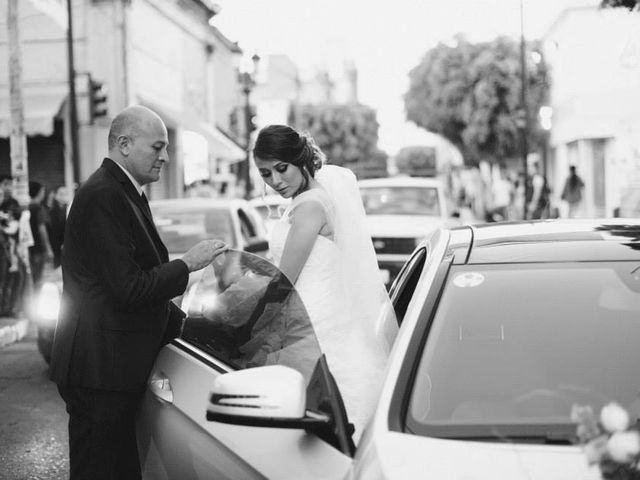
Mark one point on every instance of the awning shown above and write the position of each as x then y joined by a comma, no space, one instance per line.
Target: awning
39,113
221,146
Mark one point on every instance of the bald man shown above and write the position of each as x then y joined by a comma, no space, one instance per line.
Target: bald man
116,311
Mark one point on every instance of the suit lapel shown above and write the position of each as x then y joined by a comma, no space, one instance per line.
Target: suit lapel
143,211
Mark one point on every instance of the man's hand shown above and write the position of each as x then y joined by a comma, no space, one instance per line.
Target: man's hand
203,253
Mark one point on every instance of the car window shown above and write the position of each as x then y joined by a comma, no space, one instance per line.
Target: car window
182,229
514,347
246,313
404,285
401,200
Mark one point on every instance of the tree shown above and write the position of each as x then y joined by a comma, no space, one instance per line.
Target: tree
470,94
630,4
347,134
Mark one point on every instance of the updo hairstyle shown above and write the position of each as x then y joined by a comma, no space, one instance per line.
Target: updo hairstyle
283,143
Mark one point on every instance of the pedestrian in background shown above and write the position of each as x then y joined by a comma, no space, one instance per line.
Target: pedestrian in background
57,219
502,197
572,192
40,252
5,256
15,273
116,310
538,193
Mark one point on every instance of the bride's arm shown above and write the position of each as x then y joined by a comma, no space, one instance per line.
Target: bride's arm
307,219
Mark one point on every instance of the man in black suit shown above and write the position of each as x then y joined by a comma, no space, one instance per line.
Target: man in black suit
115,310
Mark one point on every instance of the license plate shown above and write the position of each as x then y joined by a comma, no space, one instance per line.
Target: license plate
384,274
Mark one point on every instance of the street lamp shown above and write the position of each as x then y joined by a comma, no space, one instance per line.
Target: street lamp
247,81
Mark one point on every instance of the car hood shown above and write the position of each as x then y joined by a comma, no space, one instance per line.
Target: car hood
401,456
412,226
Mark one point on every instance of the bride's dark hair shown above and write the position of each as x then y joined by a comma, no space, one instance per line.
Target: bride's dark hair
283,143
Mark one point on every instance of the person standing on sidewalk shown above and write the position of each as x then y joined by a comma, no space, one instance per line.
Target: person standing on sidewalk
5,257
116,310
538,203
56,220
572,192
13,282
40,252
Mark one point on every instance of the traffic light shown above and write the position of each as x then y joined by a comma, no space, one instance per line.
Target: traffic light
97,99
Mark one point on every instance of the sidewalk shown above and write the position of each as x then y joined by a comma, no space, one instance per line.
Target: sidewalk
12,329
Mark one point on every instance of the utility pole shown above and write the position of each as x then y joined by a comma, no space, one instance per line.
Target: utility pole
524,127
18,139
73,109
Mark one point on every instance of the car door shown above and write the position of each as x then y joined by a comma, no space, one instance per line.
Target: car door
238,313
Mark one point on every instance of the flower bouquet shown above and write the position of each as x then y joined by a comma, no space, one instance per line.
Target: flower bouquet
609,441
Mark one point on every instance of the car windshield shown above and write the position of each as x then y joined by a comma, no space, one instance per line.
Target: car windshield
401,200
245,312
512,348
180,229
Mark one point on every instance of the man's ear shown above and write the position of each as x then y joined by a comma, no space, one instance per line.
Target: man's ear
124,145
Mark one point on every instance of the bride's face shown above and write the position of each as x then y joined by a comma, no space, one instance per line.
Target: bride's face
285,178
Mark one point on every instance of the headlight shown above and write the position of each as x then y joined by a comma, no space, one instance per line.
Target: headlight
48,303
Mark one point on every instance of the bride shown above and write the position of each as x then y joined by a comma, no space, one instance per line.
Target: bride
324,249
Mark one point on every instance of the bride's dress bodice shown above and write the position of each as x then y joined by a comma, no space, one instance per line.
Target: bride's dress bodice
355,363
319,283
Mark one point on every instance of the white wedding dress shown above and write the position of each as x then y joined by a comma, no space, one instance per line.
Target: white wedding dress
355,356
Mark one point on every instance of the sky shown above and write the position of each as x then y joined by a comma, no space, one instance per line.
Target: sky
385,40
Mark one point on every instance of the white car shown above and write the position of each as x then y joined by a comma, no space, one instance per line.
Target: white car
270,208
183,222
401,211
504,328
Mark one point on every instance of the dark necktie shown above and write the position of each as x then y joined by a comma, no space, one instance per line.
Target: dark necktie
145,202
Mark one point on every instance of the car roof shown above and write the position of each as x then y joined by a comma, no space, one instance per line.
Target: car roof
400,181
199,202
542,241
272,199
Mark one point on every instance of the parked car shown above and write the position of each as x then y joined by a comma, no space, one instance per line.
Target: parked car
401,211
270,208
181,223
504,327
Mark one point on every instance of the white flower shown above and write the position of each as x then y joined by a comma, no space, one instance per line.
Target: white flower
614,418
624,446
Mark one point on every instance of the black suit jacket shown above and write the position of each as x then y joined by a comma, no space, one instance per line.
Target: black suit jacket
115,309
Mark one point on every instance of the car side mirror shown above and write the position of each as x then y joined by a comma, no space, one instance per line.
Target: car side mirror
272,396
255,246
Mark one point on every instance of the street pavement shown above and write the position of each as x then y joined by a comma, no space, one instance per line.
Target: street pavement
33,420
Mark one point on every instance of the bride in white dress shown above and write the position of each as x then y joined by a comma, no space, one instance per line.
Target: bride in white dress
323,247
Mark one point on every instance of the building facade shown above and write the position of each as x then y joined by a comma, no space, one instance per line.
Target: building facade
163,54
595,97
